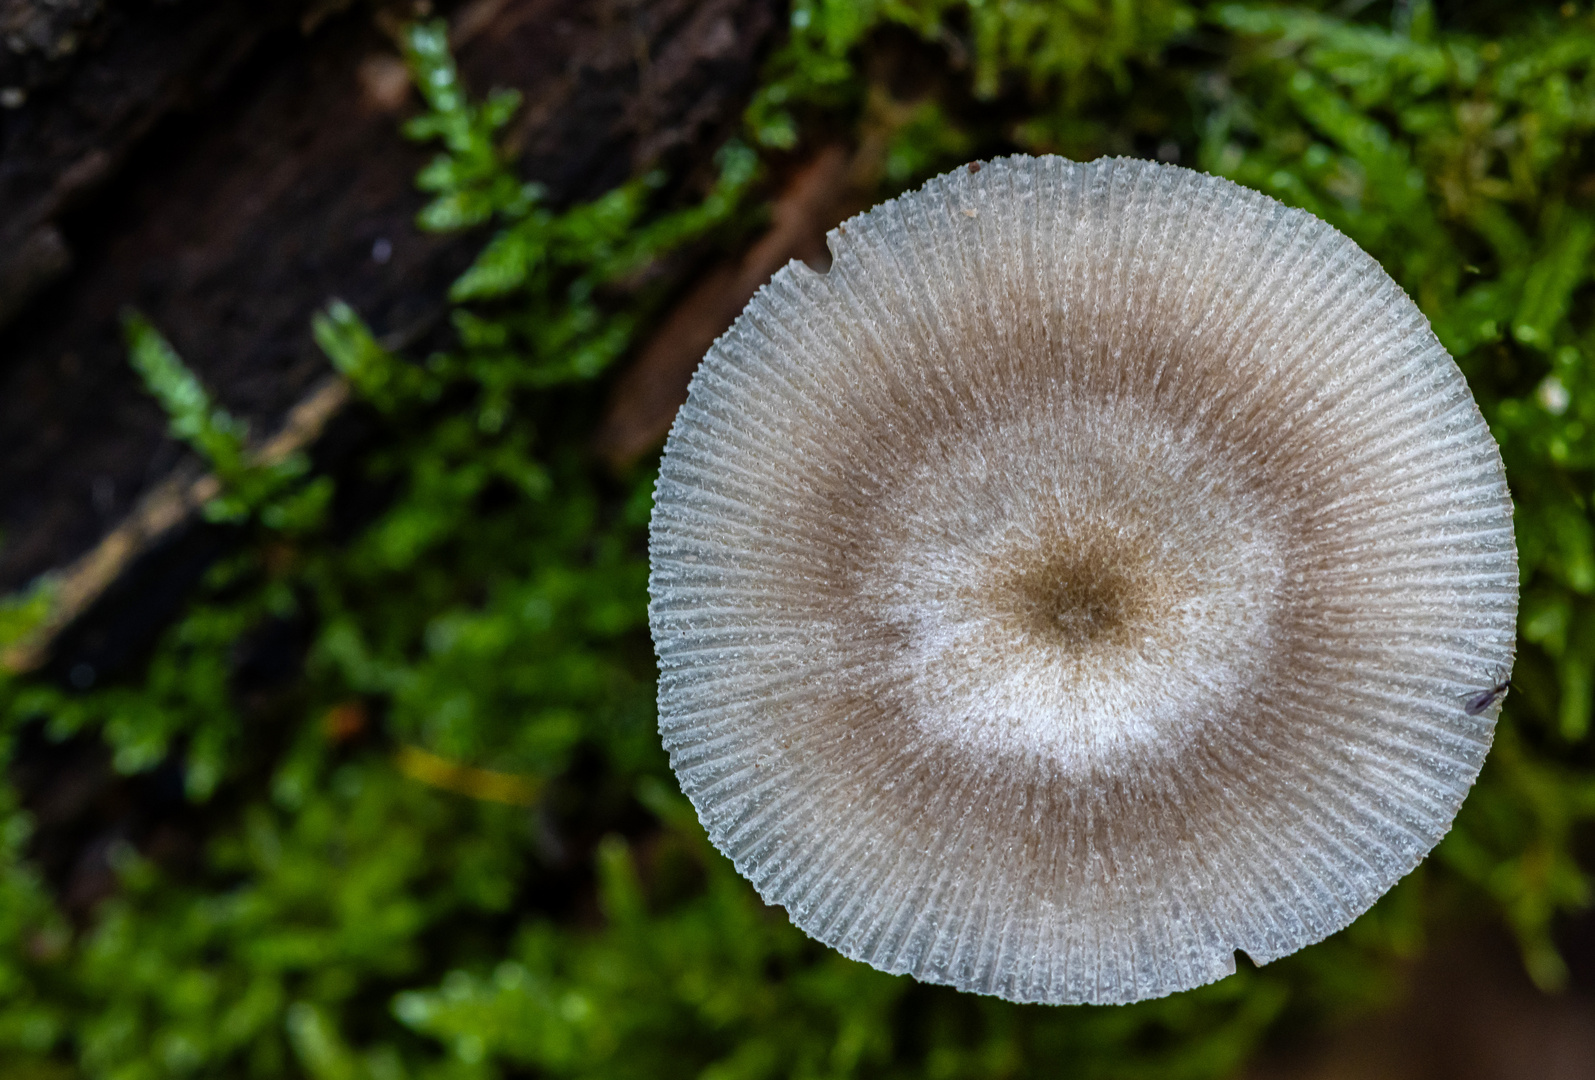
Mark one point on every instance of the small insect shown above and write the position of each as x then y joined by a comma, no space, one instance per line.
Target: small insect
1485,698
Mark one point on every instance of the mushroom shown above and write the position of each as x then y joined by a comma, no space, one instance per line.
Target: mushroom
1101,569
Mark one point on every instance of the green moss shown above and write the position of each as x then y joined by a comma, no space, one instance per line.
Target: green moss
351,914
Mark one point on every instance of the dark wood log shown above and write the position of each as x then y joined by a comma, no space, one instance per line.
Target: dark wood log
229,167
81,83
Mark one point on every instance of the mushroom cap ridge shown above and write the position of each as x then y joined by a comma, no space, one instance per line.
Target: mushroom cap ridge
1084,579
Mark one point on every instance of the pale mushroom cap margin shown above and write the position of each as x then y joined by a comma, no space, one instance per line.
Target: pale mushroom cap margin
1079,582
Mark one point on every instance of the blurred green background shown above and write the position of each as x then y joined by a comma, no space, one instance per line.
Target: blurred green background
453,848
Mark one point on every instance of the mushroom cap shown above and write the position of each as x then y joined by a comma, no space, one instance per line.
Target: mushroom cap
1084,579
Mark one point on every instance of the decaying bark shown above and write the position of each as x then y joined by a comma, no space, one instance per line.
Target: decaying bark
229,167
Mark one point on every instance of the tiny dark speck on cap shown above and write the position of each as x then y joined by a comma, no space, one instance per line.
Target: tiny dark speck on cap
974,166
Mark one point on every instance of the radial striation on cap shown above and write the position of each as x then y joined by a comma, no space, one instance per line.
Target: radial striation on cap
1093,574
